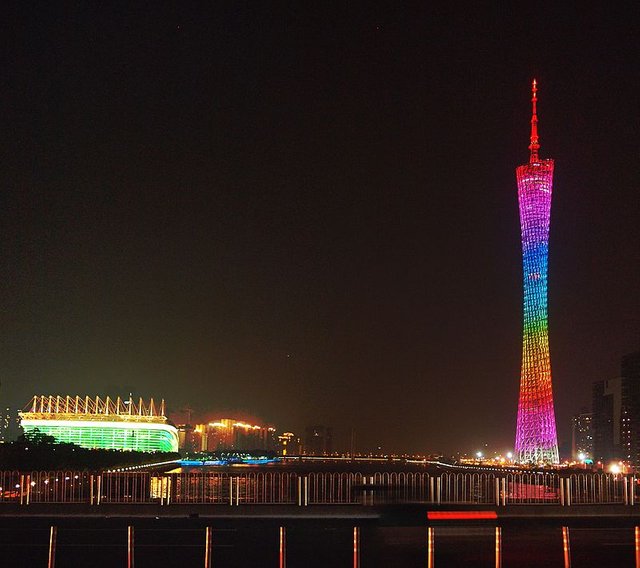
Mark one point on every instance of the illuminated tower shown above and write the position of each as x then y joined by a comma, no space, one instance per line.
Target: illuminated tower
536,439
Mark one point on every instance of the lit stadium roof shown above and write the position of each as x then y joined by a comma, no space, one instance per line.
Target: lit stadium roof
43,407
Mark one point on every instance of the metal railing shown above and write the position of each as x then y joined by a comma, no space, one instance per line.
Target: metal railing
531,487
305,489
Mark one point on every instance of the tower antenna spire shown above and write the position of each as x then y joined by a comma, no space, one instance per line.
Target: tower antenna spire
534,146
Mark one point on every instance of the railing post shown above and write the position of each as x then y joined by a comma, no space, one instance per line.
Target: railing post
632,494
306,490
438,489
238,490
91,489
28,486
430,547
372,491
364,490
208,543
299,491
431,490
504,491
130,547
99,487
53,535
566,547
231,491
282,552
21,489
561,485
497,492
568,492
625,490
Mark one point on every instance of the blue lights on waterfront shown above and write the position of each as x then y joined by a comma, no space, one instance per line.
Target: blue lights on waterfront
229,460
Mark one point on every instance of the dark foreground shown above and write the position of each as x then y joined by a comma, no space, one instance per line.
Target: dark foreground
391,537
313,544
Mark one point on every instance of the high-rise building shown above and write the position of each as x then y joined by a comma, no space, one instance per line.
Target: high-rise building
187,439
9,425
608,418
536,439
318,441
582,436
630,366
616,414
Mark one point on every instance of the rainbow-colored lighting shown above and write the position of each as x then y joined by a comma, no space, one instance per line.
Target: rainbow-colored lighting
536,439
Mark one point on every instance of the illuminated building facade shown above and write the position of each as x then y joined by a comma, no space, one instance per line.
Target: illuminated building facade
96,423
289,444
536,439
231,434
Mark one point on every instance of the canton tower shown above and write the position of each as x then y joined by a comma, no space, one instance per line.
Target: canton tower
536,440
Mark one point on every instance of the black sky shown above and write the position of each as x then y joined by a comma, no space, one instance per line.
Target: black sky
309,214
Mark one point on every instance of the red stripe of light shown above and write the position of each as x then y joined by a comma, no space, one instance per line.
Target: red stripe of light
460,515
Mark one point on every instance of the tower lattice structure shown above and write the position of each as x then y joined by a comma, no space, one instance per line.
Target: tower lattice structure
536,438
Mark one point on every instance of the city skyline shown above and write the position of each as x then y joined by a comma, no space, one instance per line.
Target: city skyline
310,214
596,427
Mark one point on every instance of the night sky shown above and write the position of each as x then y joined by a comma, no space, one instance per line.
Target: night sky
308,215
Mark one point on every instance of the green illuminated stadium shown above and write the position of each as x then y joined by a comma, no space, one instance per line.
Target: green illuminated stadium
96,423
